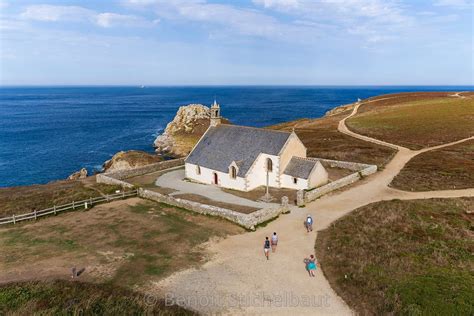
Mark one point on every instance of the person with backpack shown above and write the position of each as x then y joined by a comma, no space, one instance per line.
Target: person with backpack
274,241
309,223
266,247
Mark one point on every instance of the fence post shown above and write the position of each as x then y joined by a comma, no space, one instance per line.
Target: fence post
107,197
73,207
35,215
14,222
54,209
90,201
123,194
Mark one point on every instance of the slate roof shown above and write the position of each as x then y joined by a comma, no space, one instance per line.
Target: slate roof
300,167
225,143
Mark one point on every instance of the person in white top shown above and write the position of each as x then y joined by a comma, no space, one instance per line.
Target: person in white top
274,241
309,223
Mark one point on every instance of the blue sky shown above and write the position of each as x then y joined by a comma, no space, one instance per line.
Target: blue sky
210,42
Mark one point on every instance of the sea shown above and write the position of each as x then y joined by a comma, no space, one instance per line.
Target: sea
47,133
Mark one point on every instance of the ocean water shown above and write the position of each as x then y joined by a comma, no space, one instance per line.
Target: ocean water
46,133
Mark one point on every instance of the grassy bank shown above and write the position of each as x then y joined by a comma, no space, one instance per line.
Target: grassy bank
443,169
126,243
77,298
403,257
23,199
416,120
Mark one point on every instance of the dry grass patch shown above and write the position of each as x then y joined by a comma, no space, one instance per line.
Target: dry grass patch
323,140
124,243
76,298
23,199
416,120
257,193
403,257
443,169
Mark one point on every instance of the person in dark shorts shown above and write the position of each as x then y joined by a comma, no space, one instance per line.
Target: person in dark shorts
274,241
266,247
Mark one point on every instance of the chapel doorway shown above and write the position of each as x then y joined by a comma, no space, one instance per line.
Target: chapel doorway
216,179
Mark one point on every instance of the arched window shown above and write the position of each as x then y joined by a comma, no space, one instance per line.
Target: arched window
233,172
198,170
269,165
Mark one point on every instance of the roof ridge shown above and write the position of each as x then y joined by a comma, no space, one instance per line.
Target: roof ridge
252,127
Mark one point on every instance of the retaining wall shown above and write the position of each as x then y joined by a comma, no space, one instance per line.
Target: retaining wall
362,170
167,164
249,221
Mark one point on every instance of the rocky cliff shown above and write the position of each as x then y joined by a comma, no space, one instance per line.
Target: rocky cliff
81,174
126,160
182,133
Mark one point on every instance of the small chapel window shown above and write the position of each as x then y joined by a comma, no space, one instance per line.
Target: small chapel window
233,172
269,165
198,170
295,180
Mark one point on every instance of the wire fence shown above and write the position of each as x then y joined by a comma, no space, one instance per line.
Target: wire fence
75,205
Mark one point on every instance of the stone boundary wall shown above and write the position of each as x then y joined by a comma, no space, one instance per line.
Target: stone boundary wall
249,221
354,166
107,179
162,165
361,171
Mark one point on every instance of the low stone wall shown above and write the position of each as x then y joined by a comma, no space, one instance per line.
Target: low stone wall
249,221
107,179
162,165
361,171
355,166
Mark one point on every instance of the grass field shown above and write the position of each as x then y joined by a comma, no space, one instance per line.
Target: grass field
403,257
443,169
323,140
23,199
76,298
416,120
125,243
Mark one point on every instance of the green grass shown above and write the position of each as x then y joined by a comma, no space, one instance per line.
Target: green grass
76,298
417,124
403,257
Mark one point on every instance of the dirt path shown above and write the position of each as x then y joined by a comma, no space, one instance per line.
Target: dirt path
239,280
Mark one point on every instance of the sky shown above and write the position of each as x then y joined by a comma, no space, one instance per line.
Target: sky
253,42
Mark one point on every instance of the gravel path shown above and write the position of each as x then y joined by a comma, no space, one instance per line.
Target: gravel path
174,180
239,280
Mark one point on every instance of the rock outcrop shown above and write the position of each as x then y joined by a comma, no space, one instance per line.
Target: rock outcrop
182,133
126,160
81,174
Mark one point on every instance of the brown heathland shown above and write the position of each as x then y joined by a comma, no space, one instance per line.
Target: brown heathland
323,140
443,169
403,257
416,120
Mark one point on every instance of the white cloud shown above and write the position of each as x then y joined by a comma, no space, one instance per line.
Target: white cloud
54,13
459,4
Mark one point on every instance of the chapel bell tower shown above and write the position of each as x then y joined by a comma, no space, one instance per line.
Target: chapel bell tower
215,114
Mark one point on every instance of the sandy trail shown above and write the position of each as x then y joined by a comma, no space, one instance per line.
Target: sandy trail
239,280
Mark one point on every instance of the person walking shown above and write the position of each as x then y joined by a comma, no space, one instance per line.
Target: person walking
309,223
311,265
274,241
266,247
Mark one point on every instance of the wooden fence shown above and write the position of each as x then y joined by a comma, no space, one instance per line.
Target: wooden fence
84,204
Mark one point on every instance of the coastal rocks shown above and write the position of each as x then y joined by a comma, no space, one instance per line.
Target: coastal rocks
126,160
340,109
81,174
182,133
